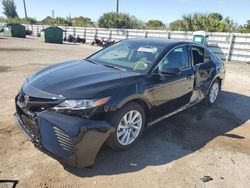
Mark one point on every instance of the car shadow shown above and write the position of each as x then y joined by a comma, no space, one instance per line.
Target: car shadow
173,138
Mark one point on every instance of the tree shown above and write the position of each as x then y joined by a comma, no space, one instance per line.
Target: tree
69,20
244,28
82,22
215,16
213,22
49,21
228,25
155,24
31,20
9,8
121,20
248,26
60,21
136,23
18,20
176,25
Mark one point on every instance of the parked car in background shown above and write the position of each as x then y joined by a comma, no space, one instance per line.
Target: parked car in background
69,110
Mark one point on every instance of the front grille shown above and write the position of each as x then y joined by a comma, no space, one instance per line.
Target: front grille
31,125
40,104
34,104
64,140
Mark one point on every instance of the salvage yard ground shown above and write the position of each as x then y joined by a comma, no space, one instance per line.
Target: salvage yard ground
178,152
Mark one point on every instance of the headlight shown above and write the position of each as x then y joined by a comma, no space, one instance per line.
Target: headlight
81,104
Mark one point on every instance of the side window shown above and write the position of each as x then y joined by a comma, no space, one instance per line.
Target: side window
200,55
177,58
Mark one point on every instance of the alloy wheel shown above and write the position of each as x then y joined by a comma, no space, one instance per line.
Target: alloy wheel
129,127
214,91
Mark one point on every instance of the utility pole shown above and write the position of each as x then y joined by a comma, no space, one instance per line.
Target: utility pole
53,13
117,6
25,11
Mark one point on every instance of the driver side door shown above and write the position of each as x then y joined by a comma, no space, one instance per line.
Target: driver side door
173,91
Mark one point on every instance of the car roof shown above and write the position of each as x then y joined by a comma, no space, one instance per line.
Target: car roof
161,41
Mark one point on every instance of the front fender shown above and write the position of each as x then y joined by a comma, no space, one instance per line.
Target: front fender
123,95
134,98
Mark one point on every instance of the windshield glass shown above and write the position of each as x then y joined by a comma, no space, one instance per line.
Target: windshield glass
130,55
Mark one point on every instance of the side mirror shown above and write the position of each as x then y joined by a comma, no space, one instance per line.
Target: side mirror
171,71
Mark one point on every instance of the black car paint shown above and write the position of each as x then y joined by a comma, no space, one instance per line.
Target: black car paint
88,130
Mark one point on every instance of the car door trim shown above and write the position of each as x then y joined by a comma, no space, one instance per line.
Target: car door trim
190,104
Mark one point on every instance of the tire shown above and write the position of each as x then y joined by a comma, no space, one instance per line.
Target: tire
213,93
118,139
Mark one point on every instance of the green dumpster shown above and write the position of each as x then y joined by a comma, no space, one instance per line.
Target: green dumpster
200,37
14,30
52,35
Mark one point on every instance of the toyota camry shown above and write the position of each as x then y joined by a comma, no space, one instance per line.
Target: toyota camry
69,110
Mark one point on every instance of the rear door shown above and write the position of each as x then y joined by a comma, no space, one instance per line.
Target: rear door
173,92
203,67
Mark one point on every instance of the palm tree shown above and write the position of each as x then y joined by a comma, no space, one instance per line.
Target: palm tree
188,22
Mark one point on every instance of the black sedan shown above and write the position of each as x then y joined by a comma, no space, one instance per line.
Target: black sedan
69,110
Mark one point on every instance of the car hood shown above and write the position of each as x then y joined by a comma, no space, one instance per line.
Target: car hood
75,79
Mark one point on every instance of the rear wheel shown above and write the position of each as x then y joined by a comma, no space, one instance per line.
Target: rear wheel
213,93
129,122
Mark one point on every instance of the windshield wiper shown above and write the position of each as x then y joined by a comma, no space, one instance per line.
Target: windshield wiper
114,67
90,61
106,65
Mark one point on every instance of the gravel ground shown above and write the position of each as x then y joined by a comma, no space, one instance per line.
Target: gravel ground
178,152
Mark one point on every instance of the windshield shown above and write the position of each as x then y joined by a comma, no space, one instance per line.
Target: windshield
130,55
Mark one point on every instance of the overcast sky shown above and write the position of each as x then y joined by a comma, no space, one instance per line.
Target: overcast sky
165,10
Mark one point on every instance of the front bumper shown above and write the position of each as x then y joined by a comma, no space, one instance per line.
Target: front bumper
73,141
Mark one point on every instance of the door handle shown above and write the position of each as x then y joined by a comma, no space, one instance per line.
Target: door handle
189,77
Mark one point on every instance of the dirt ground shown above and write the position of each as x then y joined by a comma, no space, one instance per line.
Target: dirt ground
178,152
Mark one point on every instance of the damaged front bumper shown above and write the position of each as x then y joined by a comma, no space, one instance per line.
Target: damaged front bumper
73,141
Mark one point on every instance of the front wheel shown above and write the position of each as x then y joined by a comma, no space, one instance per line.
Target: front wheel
129,122
213,93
